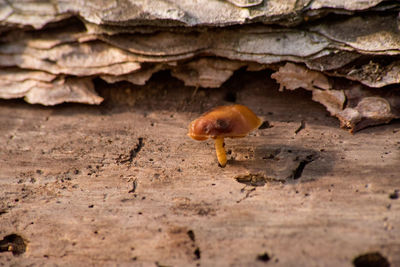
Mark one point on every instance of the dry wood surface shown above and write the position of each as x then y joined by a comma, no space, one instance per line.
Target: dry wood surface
121,183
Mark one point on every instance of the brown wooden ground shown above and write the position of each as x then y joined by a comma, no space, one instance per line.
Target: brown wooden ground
121,183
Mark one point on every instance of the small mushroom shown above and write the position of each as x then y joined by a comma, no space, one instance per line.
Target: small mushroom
233,121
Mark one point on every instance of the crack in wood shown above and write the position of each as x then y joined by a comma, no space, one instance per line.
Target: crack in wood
196,252
265,125
136,150
134,186
297,173
264,257
191,235
248,193
301,127
133,153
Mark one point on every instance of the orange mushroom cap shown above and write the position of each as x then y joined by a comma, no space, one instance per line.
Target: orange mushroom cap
225,121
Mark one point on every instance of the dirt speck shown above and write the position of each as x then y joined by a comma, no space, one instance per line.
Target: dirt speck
191,235
197,253
394,195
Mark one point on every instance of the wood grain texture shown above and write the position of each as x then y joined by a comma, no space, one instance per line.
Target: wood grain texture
121,183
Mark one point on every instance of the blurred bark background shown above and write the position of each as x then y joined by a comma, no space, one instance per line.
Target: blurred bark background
345,52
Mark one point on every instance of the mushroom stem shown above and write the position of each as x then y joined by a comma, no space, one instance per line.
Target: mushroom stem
219,148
